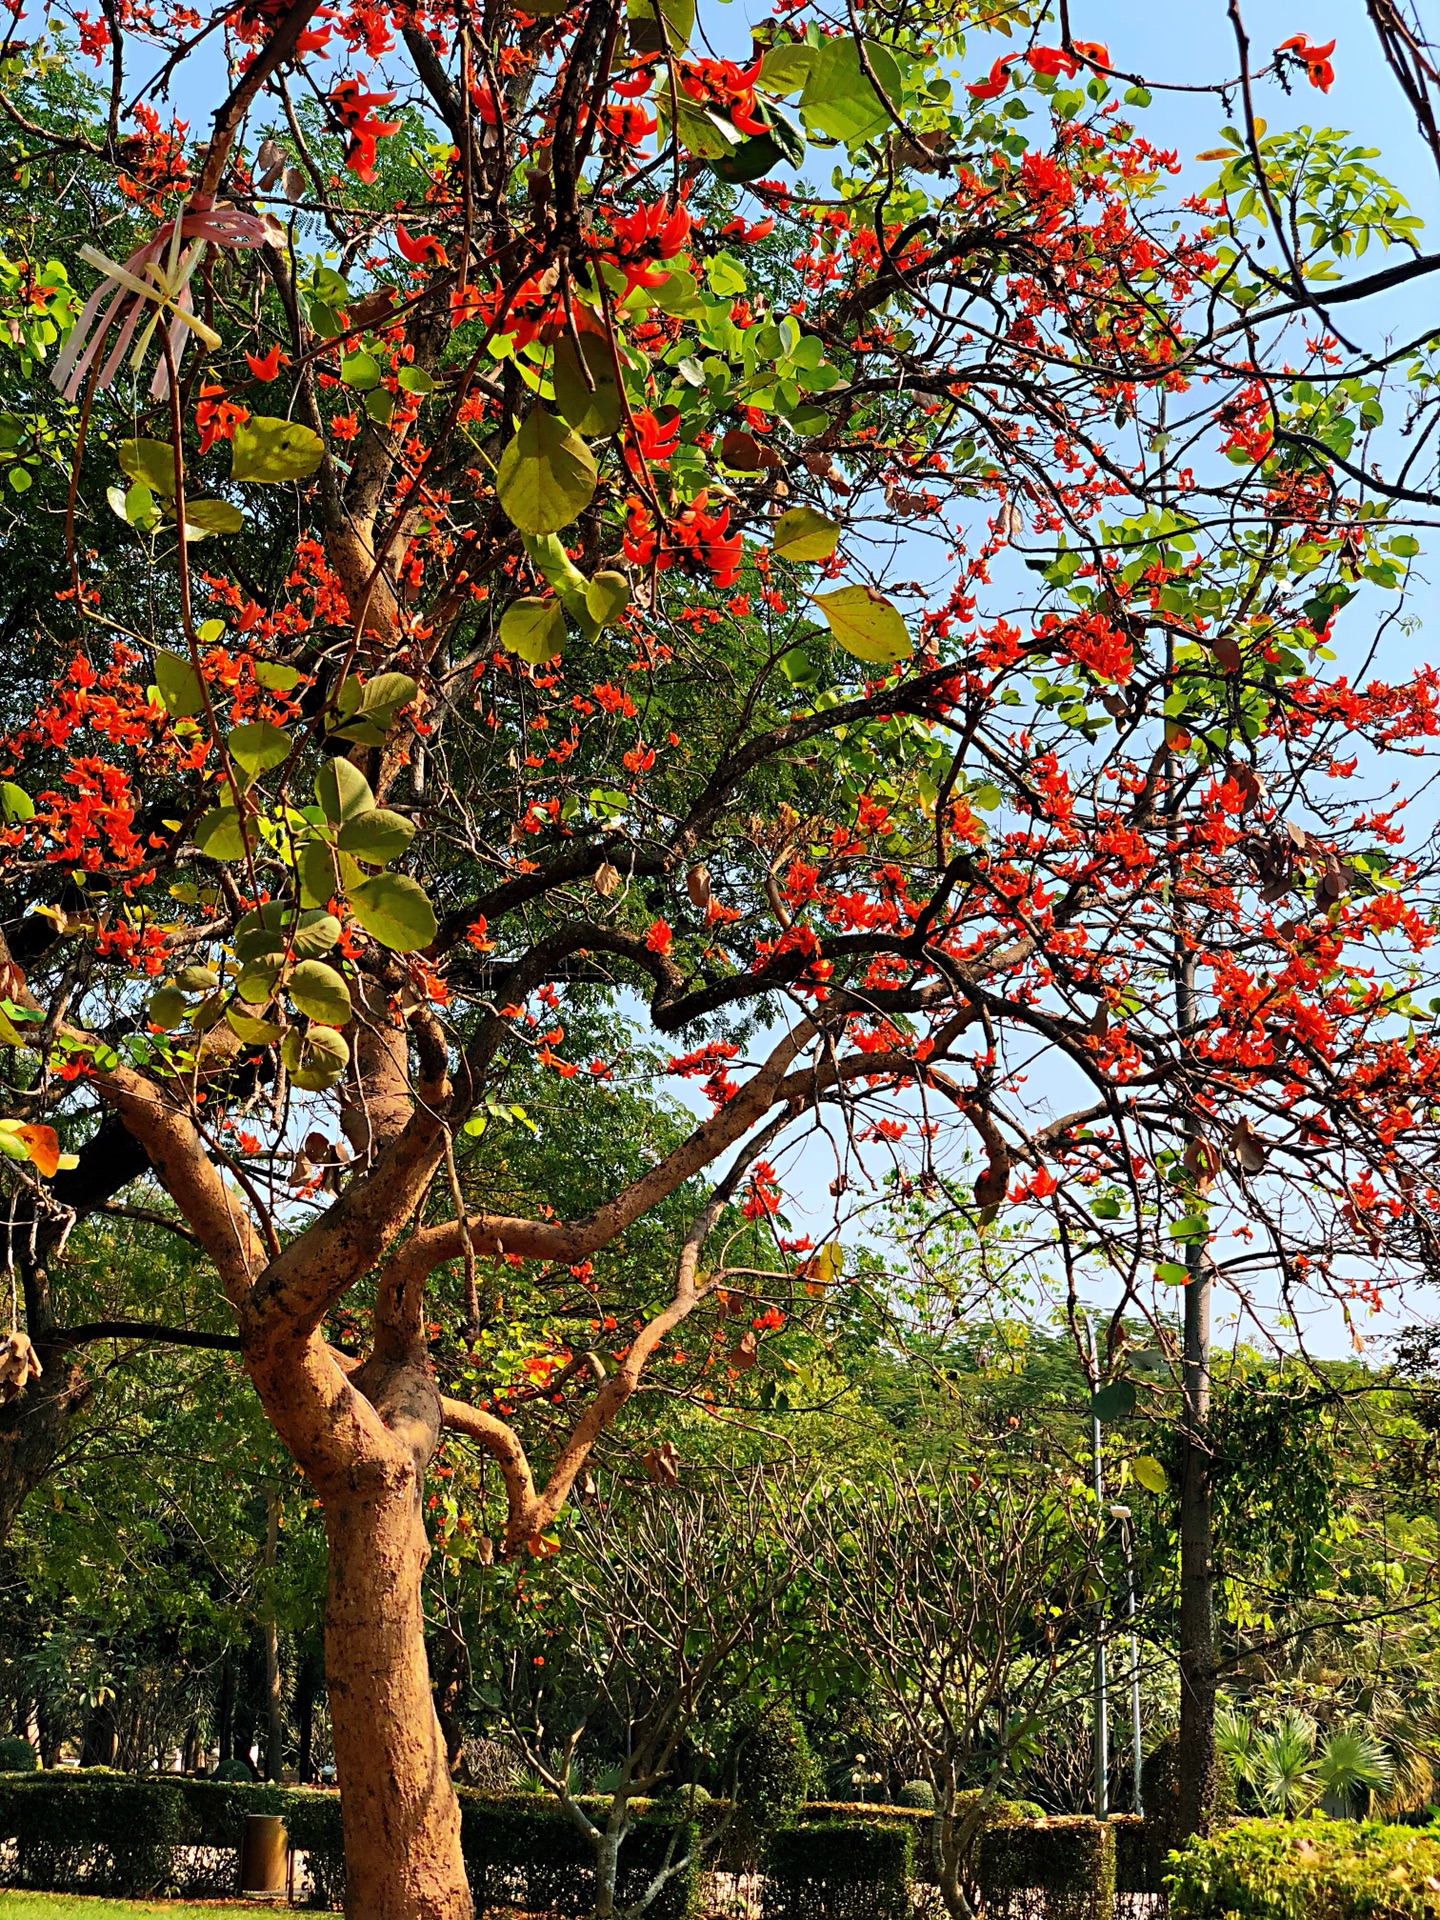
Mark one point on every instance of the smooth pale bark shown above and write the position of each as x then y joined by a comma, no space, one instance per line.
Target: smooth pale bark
401,1817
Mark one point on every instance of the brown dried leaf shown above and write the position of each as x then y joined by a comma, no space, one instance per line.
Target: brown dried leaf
742,1355
1248,1147
606,879
662,1464
697,885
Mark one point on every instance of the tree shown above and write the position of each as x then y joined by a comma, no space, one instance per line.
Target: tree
658,1617
545,658
965,1604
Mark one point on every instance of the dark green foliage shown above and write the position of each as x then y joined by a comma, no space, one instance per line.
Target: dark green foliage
1072,1858
772,1766
917,1793
1160,1796
1138,1863
520,1852
18,1756
855,1870
1308,1870
111,1833
97,1830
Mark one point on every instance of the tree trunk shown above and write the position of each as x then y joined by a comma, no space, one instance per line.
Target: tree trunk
401,1817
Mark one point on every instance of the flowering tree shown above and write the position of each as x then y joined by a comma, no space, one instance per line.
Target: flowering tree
471,539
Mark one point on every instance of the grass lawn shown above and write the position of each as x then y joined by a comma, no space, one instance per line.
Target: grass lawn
72,1906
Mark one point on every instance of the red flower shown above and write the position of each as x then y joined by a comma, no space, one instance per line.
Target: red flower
659,937
999,79
425,249
217,417
654,443
1052,60
353,110
1315,60
649,234
266,366
728,87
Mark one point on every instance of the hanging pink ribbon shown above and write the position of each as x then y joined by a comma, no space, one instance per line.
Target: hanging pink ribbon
156,277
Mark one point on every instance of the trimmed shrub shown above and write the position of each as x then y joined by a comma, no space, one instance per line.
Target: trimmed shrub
98,1830
770,1761
102,1832
851,1870
1160,1797
18,1756
1315,1869
518,1854
1069,1859
917,1793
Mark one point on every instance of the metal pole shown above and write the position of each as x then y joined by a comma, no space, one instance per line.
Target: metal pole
1102,1722
1122,1514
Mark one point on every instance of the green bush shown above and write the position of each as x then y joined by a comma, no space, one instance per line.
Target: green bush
99,1831
770,1761
917,1793
518,1854
102,1832
841,1870
1071,1859
1315,1869
18,1756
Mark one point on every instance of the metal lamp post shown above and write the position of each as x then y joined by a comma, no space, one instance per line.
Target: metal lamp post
1122,1514
1102,1721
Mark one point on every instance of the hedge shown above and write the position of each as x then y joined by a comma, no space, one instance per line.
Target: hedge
1069,1859
103,1832
1314,1869
840,1870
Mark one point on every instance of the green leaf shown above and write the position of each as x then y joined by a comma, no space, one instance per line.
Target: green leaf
319,876
315,1060
219,835
592,407
781,145
802,533
1171,1273
258,979
276,927
179,685
320,992
386,693
786,68
535,629
255,1033
394,910
546,477
150,463
1150,1474
415,380
839,99
167,1008
275,678
380,405
342,790
377,836
1195,1226
15,803
866,624
607,597
211,516
644,17
269,450
1114,1402
257,747
360,370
